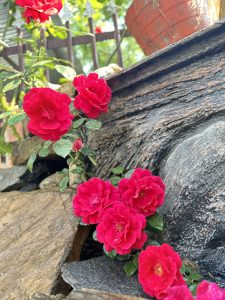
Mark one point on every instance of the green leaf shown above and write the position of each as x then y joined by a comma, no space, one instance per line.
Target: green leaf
63,147
19,74
135,260
43,152
66,71
152,243
11,85
31,161
58,32
87,151
42,63
77,170
115,180
93,124
156,222
129,173
5,114
16,118
112,254
47,144
130,268
63,184
92,160
194,277
118,170
78,122
123,257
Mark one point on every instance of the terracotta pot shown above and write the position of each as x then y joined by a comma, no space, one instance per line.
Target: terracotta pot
157,23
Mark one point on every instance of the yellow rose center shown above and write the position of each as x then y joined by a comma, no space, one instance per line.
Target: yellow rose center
119,227
158,269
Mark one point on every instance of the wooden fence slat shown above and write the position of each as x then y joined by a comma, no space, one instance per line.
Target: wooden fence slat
69,44
118,42
93,43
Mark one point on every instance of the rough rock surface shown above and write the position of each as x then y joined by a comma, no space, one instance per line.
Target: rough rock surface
194,174
157,105
86,294
51,182
37,230
101,273
22,150
10,178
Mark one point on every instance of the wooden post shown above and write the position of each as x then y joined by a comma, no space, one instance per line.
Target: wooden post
69,44
118,41
93,43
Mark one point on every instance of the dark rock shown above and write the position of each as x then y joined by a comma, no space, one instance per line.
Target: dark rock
194,174
101,273
10,179
29,187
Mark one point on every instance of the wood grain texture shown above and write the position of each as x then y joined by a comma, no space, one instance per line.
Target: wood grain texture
162,100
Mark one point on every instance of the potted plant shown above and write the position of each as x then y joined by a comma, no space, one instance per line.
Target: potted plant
157,23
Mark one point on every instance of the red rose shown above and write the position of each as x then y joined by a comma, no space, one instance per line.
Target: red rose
159,269
209,291
39,10
121,229
93,96
179,292
93,196
49,113
98,29
77,145
142,191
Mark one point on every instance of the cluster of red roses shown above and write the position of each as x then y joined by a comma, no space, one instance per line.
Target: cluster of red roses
49,111
120,212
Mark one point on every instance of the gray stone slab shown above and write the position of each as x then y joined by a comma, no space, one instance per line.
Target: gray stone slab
10,178
101,273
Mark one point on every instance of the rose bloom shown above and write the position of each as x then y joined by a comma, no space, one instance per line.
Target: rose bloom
98,29
93,196
142,191
39,10
179,292
159,269
48,112
93,96
121,229
209,291
77,145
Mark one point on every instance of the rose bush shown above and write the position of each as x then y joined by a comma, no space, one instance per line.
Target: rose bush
93,96
92,198
159,269
121,229
142,191
48,112
39,10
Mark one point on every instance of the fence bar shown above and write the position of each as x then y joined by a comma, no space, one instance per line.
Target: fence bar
20,49
93,43
43,43
69,44
118,42
54,43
